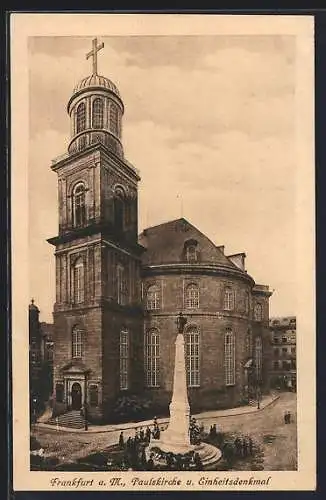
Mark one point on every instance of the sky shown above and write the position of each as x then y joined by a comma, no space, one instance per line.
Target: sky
208,119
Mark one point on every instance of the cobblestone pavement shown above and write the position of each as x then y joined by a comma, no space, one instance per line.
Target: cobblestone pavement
277,439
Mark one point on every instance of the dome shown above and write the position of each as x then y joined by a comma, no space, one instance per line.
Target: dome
96,81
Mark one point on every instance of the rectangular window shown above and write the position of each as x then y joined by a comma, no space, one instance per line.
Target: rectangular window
192,297
284,350
229,358
192,358
228,300
153,297
152,358
275,365
124,360
276,353
77,343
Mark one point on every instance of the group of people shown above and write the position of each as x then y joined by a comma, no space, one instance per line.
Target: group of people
190,461
213,431
243,446
134,456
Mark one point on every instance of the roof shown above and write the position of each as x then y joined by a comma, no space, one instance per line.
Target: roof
282,321
165,242
97,81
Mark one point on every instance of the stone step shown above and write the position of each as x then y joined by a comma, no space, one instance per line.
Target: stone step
70,419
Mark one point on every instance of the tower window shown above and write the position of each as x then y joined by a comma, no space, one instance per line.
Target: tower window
119,209
192,296
229,358
77,343
113,118
152,358
78,281
121,285
153,297
258,357
228,299
258,313
97,113
81,117
192,348
124,360
79,205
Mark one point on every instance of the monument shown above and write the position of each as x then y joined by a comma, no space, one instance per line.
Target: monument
176,438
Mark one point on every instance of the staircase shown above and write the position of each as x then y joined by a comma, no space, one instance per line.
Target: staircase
71,419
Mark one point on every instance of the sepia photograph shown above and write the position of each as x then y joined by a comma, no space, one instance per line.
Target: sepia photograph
168,315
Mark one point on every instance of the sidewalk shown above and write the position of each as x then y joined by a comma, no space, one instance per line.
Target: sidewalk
241,410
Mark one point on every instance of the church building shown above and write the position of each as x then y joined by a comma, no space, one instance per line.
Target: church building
118,294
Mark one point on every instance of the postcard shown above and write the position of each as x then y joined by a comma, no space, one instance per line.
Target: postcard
163,308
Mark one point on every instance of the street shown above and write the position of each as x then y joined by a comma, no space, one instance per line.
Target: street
277,439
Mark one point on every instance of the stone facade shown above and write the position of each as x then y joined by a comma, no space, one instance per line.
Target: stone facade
105,276
212,273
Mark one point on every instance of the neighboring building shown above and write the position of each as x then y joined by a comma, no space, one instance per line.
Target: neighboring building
284,369
35,350
41,359
117,297
47,357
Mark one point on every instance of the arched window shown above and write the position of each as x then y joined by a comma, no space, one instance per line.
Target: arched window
97,113
153,297
81,117
122,289
78,281
192,352
113,118
258,313
192,296
124,359
77,343
79,205
249,343
258,357
119,209
152,358
228,299
229,357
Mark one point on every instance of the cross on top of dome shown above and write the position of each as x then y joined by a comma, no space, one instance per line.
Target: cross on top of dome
93,53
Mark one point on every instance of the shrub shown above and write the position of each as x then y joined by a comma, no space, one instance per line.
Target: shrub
131,408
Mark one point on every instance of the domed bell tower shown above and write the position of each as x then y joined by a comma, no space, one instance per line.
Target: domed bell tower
95,111
97,254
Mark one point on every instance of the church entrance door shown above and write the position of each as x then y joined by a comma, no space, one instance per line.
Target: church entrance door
76,396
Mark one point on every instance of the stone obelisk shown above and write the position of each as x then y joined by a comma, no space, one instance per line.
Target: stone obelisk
176,438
